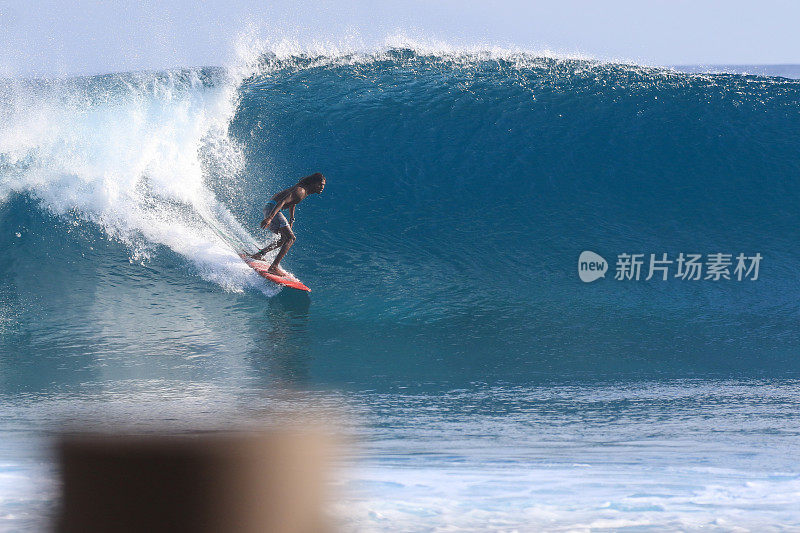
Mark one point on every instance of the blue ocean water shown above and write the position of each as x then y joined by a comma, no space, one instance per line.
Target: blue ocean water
493,388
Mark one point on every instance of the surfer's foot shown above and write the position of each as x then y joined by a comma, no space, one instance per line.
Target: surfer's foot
257,256
278,271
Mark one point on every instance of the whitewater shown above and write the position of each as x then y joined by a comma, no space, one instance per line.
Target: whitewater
489,388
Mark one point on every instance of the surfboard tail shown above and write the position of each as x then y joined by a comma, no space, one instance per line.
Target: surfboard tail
263,270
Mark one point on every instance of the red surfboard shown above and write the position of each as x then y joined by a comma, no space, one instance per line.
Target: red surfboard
262,268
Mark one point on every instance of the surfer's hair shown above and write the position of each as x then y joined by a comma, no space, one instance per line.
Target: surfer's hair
316,177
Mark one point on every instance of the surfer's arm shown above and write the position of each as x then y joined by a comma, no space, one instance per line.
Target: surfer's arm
275,211
291,215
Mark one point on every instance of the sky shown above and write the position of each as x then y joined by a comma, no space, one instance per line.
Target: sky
54,37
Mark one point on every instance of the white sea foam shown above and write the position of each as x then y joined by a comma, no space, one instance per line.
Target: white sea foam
134,154
563,498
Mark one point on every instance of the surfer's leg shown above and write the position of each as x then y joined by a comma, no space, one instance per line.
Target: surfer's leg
287,240
278,225
264,251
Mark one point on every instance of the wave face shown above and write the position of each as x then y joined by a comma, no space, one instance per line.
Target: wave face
462,188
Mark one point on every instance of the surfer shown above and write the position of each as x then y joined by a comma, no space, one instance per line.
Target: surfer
277,223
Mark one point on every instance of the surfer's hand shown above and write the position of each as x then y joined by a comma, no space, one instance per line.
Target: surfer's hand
265,223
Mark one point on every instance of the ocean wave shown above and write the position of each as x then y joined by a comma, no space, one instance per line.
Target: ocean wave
463,183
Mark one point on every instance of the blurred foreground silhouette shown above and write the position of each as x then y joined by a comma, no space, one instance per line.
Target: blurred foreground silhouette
268,481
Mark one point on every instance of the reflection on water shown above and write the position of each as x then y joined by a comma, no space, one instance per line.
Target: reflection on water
281,340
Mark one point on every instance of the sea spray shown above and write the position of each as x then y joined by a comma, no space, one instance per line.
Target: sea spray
132,153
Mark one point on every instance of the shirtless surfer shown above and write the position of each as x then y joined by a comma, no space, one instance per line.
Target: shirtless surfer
276,221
